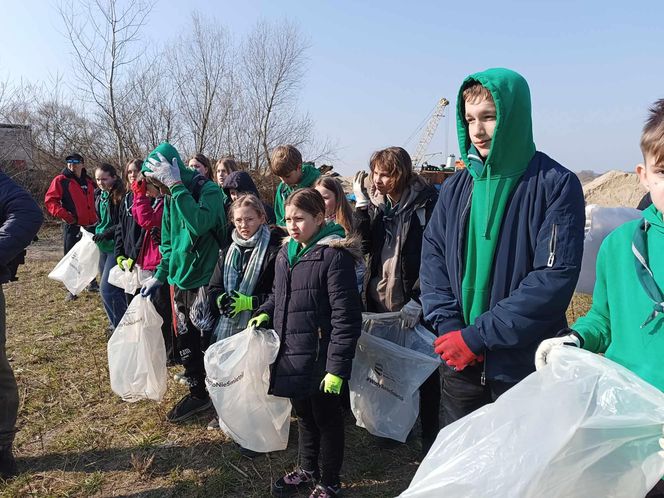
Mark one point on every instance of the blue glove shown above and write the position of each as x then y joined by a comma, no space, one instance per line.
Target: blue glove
151,286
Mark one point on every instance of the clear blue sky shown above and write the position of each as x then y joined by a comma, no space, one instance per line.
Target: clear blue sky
376,69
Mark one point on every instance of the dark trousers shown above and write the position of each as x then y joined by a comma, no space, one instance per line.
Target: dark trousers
8,388
162,303
70,234
464,393
430,407
113,298
189,341
320,425
657,491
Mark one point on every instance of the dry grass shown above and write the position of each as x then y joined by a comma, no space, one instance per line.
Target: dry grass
76,438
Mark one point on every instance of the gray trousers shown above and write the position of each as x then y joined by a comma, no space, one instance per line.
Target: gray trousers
8,388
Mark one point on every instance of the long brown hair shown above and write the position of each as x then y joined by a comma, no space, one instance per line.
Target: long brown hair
343,213
201,158
125,174
118,189
398,164
308,200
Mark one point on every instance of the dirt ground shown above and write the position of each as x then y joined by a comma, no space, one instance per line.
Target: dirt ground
77,438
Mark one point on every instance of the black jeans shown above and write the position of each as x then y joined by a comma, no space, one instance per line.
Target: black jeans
8,388
464,393
320,425
71,234
430,407
189,341
162,303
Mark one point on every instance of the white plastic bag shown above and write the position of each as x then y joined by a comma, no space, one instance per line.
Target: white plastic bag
79,266
129,281
600,222
390,365
137,354
583,426
238,377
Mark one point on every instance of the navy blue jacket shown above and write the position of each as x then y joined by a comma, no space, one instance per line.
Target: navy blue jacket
20,219
536,266
317,311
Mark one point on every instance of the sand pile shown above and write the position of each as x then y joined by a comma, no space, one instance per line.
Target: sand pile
615,188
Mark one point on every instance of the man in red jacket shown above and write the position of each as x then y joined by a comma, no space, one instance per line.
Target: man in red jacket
70,197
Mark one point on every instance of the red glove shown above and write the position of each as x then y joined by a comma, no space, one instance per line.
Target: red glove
453,350
139,188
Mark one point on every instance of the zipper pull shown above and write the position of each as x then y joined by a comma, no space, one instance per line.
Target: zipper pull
549,262
483,378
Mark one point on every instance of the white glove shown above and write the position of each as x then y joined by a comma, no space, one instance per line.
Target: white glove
150,287
411,314
547,345
165,172
360,191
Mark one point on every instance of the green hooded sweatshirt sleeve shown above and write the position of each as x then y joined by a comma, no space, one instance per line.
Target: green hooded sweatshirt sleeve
309,176
190,229
616,323
105,246
494,177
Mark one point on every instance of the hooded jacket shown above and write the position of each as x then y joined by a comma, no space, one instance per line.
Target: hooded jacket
494,178
72,199
148,214
419,200
109,216
309,177
128,234
191,229
316,310
242,182
615,323
532,272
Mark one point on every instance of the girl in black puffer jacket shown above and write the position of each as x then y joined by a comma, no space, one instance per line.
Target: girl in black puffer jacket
315,308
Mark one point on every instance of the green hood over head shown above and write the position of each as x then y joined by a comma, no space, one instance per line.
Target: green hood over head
512,145
170,152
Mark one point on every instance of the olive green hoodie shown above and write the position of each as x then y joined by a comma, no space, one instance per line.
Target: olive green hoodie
494,177
189,230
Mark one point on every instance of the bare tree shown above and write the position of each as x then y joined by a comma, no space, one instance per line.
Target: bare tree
104,36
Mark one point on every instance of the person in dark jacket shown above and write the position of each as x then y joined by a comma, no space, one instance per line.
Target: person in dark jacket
391,218
503,247
20,219
237,183
129,234
108,200
70,197
315,308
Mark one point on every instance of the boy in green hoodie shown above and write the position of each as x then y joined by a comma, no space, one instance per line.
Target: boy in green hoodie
625,322
192,232
286,163
503,246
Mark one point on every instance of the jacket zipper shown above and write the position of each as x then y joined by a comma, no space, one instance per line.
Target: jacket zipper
552,246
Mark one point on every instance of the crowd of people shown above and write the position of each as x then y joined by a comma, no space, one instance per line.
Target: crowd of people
489,265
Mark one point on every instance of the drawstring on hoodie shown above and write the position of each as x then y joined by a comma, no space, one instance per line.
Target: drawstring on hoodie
488,203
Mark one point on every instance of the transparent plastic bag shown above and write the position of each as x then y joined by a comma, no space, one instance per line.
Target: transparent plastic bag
583,426
137,354
79,266
600,222
238,378
129,281
391,363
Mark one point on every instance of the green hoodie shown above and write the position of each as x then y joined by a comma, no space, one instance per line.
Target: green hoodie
189,250
309,175
615,324
295,251
494,178
105,246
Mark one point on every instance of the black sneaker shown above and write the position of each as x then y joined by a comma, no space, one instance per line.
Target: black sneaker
92,286
187,407
322,491
70,297
8,467
292,482
250,454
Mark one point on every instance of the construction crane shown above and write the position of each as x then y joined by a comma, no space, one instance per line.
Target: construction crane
429,131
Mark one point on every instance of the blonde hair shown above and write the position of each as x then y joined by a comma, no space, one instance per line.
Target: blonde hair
652,138
475,92
285,159
247,200
343,213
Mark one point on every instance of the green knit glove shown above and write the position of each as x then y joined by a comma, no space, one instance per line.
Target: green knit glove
241,302
119,261
259,320
331,384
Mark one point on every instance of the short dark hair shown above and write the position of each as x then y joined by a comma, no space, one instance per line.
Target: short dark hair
201,158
